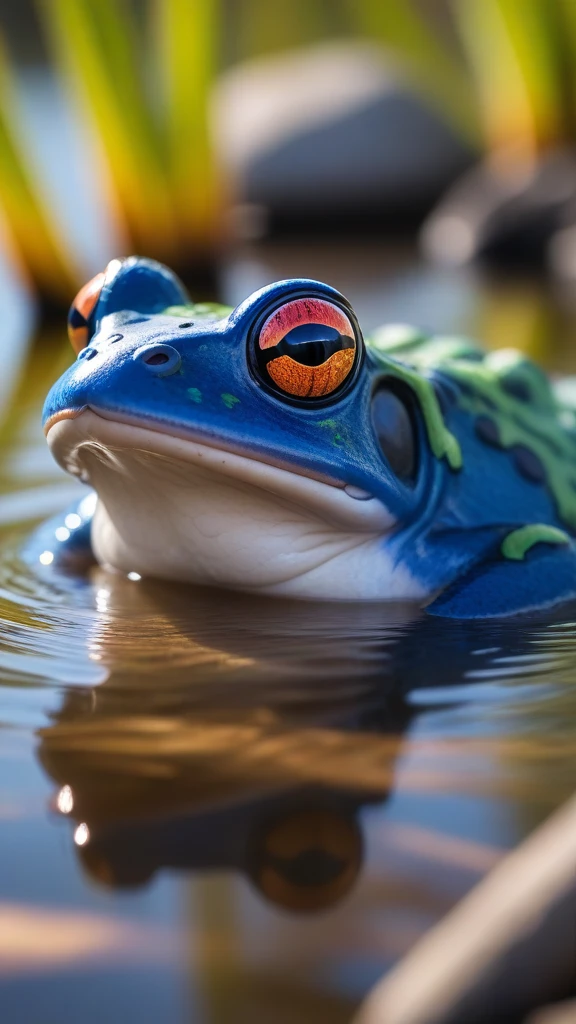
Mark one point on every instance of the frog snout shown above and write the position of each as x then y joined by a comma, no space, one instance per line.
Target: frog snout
159,359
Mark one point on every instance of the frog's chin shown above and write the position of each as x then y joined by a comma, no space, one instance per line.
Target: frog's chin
184,509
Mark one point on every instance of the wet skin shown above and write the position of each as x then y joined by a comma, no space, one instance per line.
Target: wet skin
272,449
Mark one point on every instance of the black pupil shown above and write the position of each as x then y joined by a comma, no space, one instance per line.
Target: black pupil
156,359
310,344
393,427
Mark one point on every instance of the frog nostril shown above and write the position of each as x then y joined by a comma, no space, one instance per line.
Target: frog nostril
87,353
156,359
160,359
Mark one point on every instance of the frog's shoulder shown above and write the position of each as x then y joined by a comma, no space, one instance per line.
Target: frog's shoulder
421,351
503,382
418,360
504,376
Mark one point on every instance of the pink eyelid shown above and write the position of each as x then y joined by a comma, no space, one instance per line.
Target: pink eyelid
303,311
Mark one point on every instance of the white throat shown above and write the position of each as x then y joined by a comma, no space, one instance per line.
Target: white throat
184,511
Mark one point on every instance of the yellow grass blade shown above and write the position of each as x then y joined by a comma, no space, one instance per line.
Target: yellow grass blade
512,52
433,67
95,43
31,234
188,32
565,12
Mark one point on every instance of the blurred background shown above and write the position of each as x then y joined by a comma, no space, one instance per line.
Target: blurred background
202,757
417,154
181,128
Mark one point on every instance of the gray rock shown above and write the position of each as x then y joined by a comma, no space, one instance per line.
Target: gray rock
334,133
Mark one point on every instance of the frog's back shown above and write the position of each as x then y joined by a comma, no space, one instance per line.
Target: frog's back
511,404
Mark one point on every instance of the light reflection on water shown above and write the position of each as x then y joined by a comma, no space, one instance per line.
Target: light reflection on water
234,810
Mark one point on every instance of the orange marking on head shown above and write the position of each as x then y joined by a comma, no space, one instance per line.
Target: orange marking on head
88,295
84,304
303,311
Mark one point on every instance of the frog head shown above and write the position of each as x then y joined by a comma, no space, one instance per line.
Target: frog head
264,447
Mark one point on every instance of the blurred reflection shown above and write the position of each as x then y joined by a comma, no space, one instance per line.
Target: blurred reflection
215,740
246,734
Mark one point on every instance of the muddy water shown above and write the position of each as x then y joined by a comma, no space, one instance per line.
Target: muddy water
242,811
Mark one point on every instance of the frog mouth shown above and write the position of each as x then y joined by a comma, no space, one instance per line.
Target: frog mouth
78,438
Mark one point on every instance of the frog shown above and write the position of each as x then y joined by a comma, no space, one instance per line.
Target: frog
273,449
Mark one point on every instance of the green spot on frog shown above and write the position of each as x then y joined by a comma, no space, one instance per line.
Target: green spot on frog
338,439
195,395
229,400
442,441
516,545
199,311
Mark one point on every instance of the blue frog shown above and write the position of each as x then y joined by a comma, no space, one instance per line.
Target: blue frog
271,449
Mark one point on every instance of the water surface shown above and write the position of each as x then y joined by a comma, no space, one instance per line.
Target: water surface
234,810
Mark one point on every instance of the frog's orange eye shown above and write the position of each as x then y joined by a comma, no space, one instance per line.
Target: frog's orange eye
80,310
307,348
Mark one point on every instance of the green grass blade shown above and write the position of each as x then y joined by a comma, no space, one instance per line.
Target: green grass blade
433,67
514,57
263,28
32,234
96,45
188,34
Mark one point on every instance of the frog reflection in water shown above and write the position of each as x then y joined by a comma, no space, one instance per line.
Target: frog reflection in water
229,735
271,449
246,758
265,741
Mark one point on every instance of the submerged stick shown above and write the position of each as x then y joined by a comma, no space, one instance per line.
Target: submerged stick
508,946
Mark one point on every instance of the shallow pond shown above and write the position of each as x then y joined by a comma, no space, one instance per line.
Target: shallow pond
238,811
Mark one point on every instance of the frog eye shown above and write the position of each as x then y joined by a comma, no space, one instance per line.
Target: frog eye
80,310
307,348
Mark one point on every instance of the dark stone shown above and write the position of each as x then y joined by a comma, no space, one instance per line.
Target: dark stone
507,219
365,151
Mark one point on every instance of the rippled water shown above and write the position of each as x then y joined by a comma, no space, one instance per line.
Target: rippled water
237,810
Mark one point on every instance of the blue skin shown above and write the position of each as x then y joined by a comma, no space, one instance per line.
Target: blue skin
452,521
